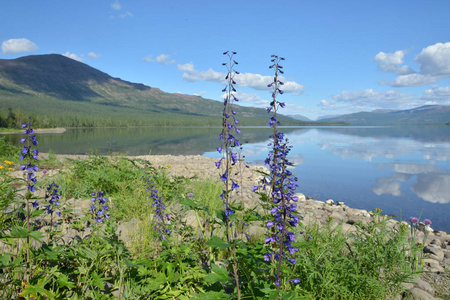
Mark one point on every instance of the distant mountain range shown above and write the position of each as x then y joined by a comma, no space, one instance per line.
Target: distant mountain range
61,88
300,117
428,114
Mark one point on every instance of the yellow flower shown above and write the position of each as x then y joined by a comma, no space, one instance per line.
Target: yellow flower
2,167
10,169
169,166
8,162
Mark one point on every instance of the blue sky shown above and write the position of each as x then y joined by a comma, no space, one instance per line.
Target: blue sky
341,56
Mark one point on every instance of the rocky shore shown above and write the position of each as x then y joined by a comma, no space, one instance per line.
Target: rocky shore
436,245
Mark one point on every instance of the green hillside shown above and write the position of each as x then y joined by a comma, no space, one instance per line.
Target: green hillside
428,114
59,91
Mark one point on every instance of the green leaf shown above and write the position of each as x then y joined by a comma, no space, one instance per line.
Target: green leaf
18,232
210,295
63,281
216,242
217,274
189,203
37,235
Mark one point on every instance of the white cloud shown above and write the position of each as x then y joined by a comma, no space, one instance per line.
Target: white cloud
249,98
13,46
413,80
189,67
116,5
433,61
163,59
255,81
438,94
390,62
93,55
367,99
73,56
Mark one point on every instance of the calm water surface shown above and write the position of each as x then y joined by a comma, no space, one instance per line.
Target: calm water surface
404,171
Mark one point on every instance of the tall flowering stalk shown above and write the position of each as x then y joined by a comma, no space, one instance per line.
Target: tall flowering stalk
161,218
99,207
229,139
229,154
281,185
52,196
29,158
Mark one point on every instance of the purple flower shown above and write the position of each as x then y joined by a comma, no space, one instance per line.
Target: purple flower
295,280
190,195
413,220
427,222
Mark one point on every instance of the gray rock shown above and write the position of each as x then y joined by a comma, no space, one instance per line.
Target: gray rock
423,285
418,294
435,252
436,242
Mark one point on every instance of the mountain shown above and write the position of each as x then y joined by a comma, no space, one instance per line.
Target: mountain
327,117
299,117
428,114
65,92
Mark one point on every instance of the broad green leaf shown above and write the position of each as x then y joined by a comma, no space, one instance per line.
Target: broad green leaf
217,274
216,242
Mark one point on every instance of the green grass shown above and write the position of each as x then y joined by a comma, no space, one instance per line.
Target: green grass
370,263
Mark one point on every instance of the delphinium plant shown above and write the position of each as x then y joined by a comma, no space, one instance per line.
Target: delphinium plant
160,218
280,184
99,207
229,144
52,196
29,158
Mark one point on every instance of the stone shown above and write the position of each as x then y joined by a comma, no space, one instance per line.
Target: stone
436,252
423,285
436,242
337,216
419,294
329,202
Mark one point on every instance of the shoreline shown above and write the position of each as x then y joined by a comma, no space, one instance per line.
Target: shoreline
203,167
40,131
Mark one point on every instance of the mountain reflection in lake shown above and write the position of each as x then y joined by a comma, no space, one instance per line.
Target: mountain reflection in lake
404,171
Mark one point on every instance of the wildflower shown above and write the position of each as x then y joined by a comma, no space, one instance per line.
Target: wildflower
426,222
413,220
99,207
53,194
27,152
190,195
281,184
44,171
160,214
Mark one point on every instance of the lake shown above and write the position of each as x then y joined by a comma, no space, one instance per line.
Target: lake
405,171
